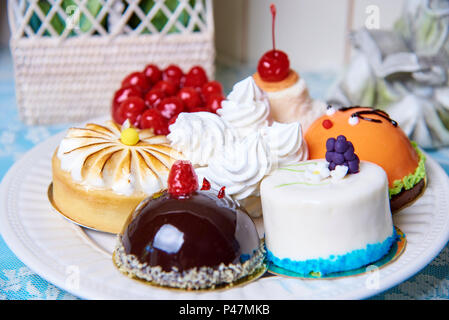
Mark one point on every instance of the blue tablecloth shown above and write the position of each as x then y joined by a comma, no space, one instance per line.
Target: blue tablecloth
17,281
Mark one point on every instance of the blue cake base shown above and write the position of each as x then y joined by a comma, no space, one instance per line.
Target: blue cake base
336,263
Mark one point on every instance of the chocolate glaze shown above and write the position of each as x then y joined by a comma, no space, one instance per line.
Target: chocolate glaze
404,197
377,112
202,230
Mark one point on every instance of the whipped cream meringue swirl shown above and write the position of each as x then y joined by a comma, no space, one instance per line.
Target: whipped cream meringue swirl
246,108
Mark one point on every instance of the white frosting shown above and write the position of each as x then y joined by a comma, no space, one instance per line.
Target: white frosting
199,135
96,158
306,219
295,104
246,108
229,160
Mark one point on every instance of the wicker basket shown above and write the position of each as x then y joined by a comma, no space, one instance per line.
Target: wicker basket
71,74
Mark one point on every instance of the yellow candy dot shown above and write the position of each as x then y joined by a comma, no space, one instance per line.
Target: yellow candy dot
129,136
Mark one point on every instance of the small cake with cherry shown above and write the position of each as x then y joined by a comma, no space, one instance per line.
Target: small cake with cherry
287,91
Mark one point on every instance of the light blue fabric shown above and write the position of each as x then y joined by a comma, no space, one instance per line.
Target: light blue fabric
17,281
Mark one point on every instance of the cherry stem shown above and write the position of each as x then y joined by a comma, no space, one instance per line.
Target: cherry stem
273,14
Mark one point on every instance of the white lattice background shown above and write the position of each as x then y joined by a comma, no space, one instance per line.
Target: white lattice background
71,55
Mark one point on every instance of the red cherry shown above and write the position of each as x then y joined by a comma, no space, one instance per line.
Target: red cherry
182,179
152,73
154,97
190,97
170,106
212,87
137,79
121,95
167,87
152,119
173,73
131,109
214,102
273,66
196,77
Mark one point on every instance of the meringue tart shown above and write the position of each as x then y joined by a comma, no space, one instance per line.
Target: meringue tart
100,174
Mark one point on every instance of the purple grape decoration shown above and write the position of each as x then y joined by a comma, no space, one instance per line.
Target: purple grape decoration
340,151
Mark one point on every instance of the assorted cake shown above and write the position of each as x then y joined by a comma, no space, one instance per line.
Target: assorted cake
325,197
189,238
377,139
102,172
321,218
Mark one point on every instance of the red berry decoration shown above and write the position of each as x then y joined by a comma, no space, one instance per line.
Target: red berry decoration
274,64
206,184
166,87
154,97
152,119
211,87
131,109
137,79
214,102
173,74
196,77
121,95
170,107
182,180
152,73
221,193
190,97
167,93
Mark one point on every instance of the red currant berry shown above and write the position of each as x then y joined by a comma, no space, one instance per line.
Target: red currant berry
214,102
173,73
170,107
190,97
131,109
273,66
152,119
137,79
152,73
166,87
182,179
211,87
121,95
196,77
154,97
199,109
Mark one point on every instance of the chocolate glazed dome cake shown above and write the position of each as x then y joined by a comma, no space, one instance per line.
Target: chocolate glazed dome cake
188,238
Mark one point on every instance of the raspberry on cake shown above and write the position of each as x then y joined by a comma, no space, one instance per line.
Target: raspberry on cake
101,173
189,238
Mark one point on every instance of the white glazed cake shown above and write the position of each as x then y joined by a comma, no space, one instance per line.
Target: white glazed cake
317,220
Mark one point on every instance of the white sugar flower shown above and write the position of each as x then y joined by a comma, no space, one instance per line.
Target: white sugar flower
317,172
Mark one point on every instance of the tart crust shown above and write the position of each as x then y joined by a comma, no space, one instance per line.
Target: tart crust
100,209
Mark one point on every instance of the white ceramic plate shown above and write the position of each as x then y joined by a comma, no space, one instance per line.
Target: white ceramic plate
79,260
